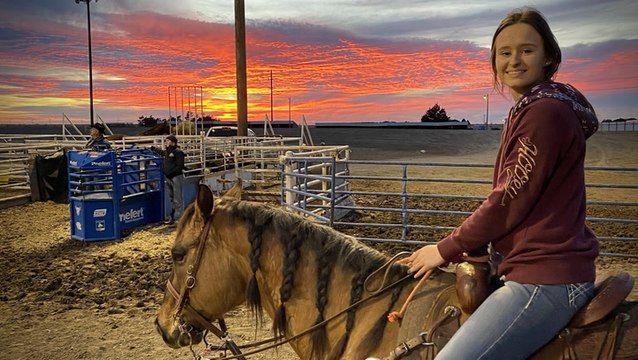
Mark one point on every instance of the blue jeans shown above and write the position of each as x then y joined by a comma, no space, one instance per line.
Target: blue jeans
174,190
516,320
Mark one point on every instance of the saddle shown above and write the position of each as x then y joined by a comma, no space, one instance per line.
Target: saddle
610,292
593,333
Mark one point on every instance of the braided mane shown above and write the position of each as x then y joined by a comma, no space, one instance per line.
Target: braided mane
331,249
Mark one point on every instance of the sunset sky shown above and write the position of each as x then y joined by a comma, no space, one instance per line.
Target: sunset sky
331,60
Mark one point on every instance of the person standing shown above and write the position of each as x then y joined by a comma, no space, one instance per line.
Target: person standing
174,171
535,215
97,142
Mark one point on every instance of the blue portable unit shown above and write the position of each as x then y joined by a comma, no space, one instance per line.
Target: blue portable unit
112,191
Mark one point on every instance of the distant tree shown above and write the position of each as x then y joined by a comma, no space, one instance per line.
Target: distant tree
435,114
147,121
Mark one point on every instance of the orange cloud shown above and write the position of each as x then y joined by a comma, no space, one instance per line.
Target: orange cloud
327,75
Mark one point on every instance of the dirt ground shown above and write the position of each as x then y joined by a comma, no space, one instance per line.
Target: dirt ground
66,299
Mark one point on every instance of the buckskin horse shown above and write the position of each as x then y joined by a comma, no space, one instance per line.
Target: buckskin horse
326,296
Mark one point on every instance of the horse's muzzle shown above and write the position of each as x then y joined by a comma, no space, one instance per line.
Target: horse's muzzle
184,335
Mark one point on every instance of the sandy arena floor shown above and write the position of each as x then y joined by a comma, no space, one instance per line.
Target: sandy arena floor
65,299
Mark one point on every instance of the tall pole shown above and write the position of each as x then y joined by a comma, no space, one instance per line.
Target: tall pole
289,113
88,16
240,59
487,110
271,103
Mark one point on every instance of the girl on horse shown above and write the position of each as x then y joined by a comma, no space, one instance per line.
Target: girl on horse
534,218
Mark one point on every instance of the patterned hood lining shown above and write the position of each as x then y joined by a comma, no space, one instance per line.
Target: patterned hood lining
567,94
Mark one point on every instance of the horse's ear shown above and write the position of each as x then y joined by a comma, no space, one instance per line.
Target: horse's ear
205,201
235,191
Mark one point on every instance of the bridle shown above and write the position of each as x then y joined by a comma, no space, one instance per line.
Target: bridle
183,306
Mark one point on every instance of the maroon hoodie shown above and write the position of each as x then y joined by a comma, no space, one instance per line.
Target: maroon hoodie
535,215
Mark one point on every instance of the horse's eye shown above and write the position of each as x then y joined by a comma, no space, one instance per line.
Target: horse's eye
177,256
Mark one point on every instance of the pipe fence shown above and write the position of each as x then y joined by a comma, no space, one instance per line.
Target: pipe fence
614,126
217,161
416,203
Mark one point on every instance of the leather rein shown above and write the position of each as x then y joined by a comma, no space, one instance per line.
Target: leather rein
222,331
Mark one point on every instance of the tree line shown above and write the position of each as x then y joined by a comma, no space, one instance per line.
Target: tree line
150,121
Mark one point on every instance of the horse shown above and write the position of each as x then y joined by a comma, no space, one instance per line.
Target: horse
322,289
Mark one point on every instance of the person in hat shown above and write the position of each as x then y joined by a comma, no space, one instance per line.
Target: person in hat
174,172
97,142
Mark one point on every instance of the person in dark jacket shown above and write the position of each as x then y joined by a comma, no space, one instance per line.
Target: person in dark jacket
97,142
535,215
174,172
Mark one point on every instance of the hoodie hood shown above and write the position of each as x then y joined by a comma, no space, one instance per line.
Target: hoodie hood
567,94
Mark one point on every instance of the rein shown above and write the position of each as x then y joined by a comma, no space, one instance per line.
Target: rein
374,293
222,333
317,325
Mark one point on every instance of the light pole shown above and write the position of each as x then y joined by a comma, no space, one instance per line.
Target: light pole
271,103
240,65
88,16
289,114
486,97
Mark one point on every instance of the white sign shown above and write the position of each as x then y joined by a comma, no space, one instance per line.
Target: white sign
100,225
132,215
99,213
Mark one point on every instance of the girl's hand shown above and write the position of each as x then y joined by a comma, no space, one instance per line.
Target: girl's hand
422,260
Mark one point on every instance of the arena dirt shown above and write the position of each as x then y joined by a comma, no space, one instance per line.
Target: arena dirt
66,299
